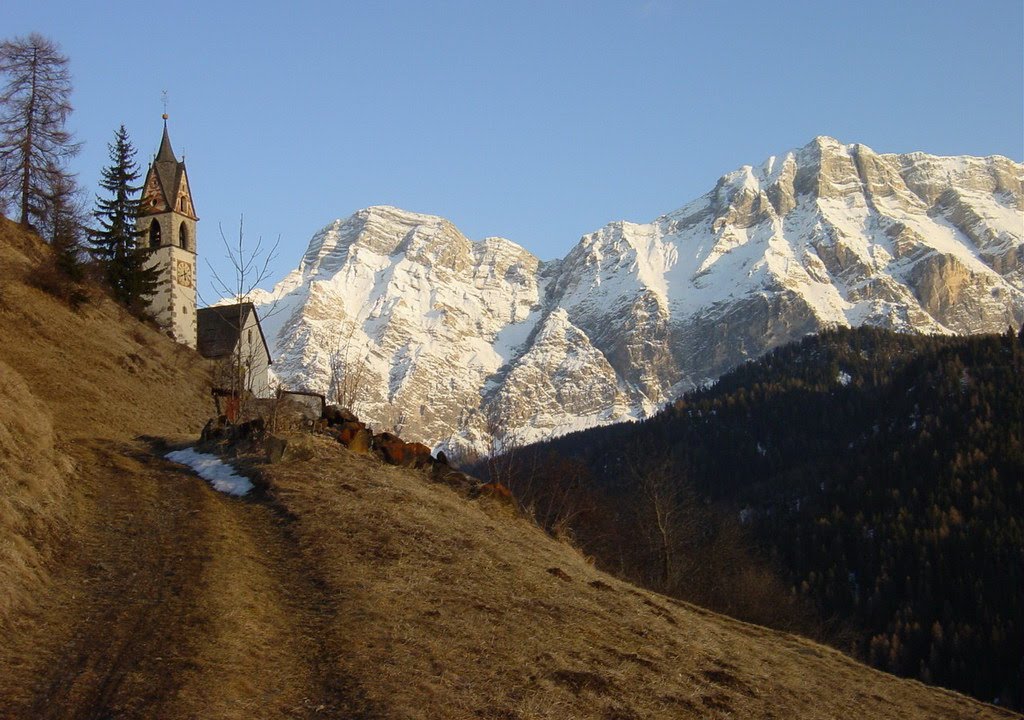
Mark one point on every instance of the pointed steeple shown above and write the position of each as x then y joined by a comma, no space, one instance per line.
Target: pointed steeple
165,153
166,187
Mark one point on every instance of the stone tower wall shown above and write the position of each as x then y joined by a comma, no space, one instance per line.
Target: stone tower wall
174,303
170,229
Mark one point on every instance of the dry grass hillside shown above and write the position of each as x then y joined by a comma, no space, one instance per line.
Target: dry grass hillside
343,589
97,370
459,609
68,377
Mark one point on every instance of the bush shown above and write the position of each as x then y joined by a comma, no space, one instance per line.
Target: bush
55,281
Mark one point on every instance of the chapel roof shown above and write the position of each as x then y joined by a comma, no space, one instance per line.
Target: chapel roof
220,327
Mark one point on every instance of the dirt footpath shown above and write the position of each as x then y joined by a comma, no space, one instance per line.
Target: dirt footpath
174,601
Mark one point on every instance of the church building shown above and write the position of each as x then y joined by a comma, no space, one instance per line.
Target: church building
167,220
230,335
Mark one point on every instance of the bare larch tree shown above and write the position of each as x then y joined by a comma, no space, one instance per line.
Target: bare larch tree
34,143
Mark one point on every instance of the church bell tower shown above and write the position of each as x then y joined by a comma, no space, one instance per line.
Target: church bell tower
167,223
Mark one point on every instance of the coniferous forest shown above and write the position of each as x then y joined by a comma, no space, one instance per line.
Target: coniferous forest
861,486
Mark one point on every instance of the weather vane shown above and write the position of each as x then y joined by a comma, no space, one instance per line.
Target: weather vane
163,99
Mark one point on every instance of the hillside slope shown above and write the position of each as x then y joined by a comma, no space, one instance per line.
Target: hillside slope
67,377
448,608
343,589
130,588
97,370
880,473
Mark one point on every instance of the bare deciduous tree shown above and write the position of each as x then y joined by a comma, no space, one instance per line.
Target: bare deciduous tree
502,449
34,143
348,372
663,517
251,267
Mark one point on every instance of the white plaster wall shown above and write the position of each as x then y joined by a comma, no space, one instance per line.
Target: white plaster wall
254,357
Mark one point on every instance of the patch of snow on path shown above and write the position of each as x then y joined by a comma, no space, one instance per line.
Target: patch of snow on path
212,469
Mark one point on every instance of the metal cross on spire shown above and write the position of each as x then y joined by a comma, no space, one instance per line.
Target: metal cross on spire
163,99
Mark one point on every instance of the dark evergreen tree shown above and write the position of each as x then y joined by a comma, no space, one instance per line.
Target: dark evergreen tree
34,144
62,271
67,226
115,243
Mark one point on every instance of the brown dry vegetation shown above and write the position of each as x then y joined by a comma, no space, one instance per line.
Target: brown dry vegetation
97,370
345,589
33,485
67,375
129,587
455,609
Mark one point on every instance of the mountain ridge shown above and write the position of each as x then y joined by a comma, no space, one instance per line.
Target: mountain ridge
829,234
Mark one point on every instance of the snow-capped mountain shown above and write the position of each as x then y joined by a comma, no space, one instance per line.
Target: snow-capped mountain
470,345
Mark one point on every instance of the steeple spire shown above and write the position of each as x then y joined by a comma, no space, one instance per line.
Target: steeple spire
165,153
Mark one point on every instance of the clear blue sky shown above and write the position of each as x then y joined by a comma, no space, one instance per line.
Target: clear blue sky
537,121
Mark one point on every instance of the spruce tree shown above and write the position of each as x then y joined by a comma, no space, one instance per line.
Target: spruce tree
115,243
67,226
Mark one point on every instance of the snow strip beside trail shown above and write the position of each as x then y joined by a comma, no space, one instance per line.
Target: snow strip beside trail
212,469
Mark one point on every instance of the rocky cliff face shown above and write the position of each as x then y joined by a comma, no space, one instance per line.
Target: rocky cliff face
471,345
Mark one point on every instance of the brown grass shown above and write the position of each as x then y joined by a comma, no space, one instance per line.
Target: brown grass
451,608
98,371
67,376
33,480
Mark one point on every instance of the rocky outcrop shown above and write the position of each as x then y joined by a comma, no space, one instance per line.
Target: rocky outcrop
394,451
473,346
357,437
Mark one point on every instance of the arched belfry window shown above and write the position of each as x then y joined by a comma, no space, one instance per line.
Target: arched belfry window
183,236
154,234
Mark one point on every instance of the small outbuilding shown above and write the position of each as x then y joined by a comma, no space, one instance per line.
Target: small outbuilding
232,336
